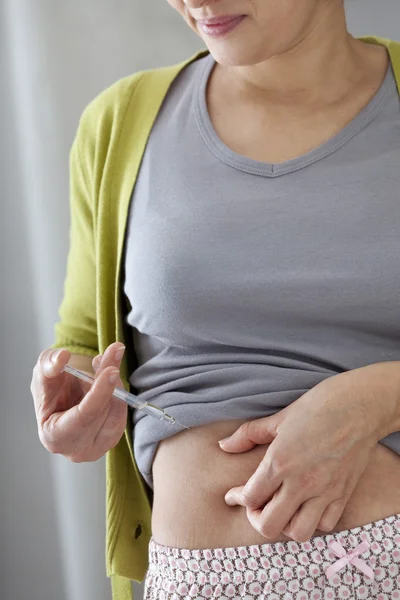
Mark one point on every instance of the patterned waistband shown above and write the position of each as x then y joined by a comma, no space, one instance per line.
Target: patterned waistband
281,566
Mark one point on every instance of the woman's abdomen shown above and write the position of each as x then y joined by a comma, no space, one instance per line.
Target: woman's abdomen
192,474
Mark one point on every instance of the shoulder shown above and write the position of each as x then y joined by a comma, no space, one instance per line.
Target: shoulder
109,103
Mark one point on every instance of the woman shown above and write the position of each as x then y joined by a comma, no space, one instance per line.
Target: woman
263,310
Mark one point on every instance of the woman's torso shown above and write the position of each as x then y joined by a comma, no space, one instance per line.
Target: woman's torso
192,474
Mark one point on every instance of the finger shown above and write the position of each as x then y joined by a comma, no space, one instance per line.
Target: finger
234,496
272,519
249,435
305,522
109,428
97,401
115,405
111,357
45,378
332,514
263,484
96,362
52,361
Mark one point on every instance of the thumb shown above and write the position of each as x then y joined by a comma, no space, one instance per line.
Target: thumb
233,497
250,434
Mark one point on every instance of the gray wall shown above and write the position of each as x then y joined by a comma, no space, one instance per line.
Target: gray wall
55,57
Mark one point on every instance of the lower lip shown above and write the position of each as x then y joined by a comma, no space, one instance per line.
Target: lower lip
220,29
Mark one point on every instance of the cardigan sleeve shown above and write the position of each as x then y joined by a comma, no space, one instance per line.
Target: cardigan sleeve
76,329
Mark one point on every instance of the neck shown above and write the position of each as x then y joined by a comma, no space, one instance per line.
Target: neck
324,66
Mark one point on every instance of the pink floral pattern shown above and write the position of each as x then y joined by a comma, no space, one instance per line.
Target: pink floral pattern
281,571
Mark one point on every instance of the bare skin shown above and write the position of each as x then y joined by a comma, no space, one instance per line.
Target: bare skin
192,475
291,129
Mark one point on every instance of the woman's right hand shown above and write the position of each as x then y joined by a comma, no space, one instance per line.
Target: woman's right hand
79,420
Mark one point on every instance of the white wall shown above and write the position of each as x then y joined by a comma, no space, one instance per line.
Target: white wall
54,58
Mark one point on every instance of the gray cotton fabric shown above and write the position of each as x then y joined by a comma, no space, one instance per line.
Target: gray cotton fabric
249,283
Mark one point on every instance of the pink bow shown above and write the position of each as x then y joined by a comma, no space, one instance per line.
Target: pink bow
351,557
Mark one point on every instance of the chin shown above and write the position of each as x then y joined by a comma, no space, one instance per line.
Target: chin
236,55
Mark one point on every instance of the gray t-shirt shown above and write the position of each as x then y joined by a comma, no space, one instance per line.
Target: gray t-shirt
251,282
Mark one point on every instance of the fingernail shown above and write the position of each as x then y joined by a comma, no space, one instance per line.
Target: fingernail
113,377
222,442
119,353
230,500
55,355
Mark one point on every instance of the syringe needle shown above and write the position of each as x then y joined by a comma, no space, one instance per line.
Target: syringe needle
129,398
160,414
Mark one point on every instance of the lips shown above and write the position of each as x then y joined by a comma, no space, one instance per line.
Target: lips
220,26
218,20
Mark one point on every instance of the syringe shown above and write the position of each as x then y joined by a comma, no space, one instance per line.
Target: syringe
129,398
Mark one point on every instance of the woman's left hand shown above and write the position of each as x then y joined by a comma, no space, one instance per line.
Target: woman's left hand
319,447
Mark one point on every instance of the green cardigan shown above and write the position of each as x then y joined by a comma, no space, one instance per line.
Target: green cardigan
104,162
